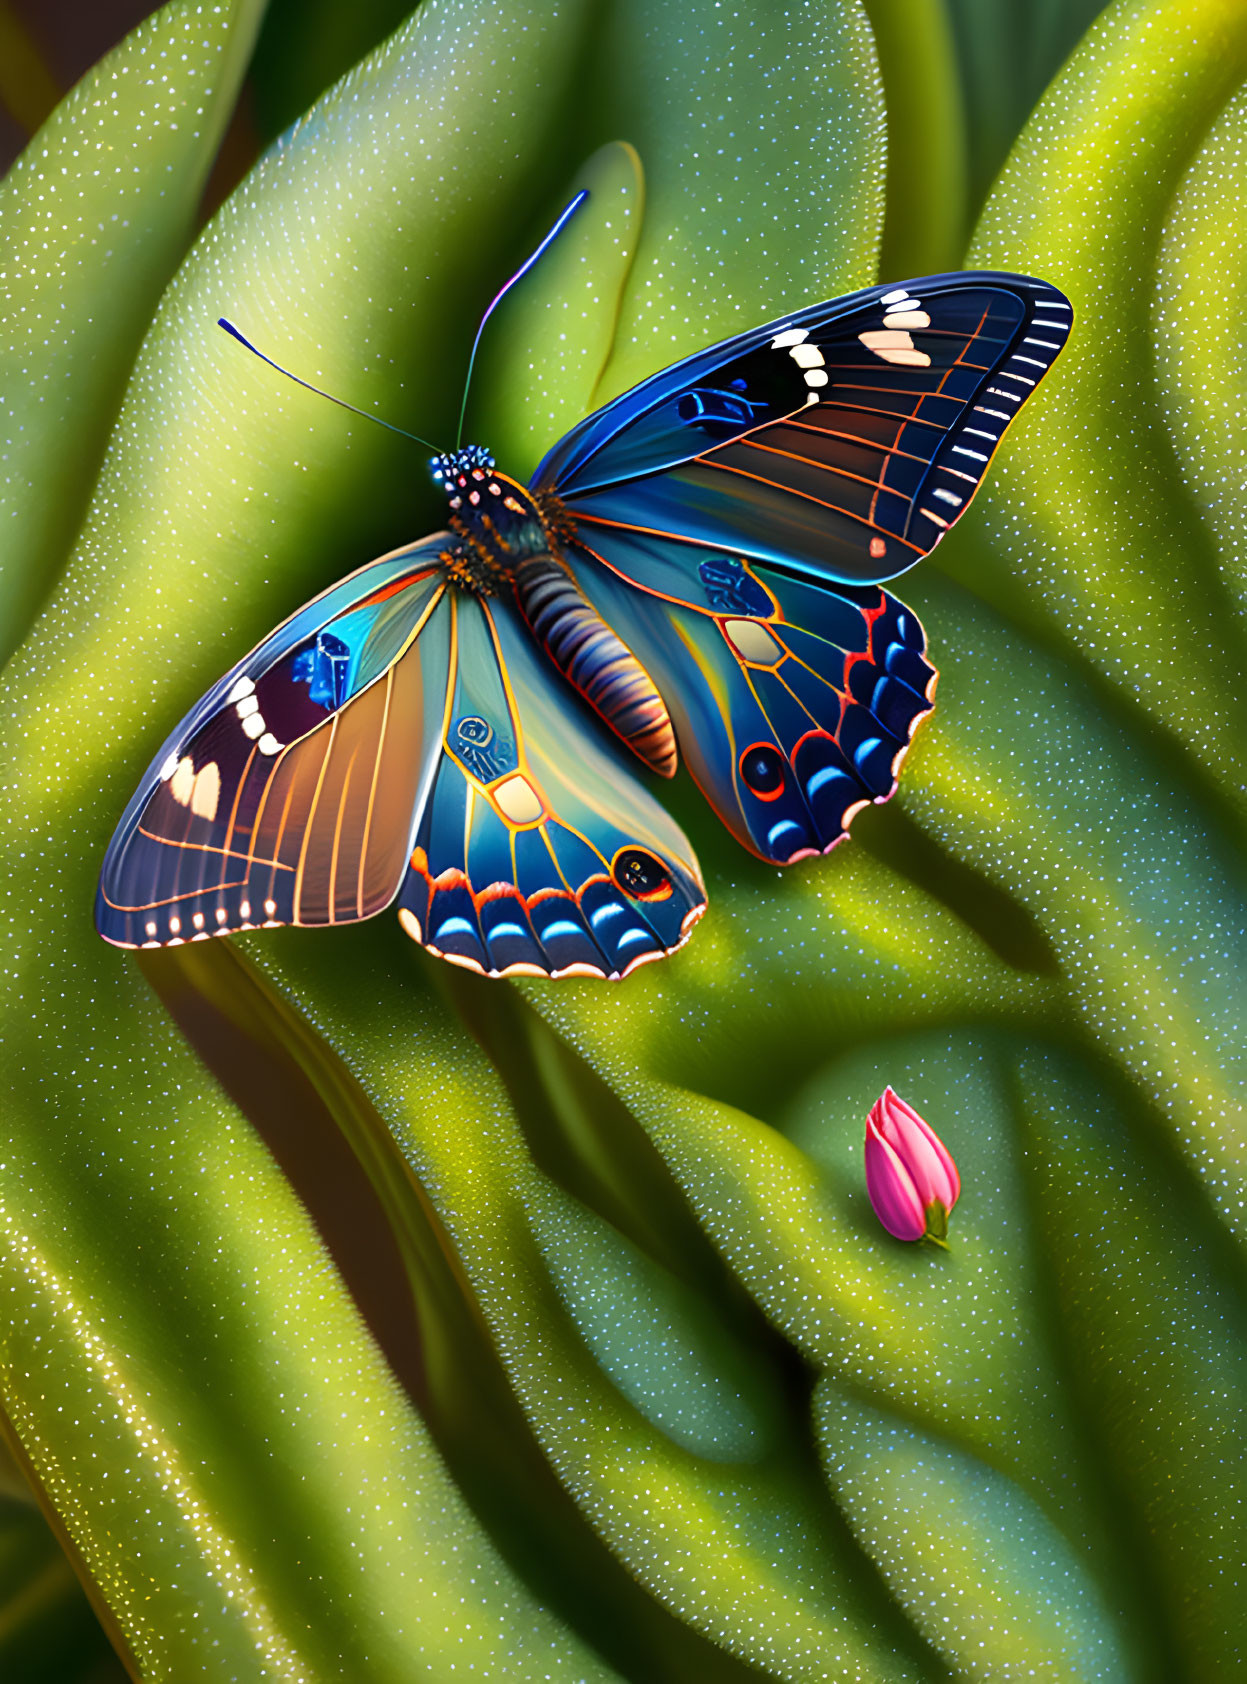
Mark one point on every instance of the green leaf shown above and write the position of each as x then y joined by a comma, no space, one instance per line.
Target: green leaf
1151,1305
1114,563
1202,376
925,229
1007,55
94,217
1039,1614
757,199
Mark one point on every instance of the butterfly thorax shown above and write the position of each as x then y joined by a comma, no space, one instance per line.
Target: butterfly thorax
496,523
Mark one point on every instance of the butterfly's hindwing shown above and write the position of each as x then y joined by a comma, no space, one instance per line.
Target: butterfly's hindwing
537,851
789,724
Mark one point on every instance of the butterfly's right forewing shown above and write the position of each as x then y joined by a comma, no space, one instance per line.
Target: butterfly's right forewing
290,793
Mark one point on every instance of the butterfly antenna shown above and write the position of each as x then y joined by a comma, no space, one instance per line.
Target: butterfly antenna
564,218
341,402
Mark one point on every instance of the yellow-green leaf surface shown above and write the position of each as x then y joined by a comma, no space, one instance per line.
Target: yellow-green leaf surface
1108,552
94,218
674,1407
1202,370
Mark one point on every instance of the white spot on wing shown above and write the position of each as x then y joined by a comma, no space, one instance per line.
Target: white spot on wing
894,346
753,642
206,791
517,800
182,782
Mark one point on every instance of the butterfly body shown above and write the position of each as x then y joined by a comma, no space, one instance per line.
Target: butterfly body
699,567
505,540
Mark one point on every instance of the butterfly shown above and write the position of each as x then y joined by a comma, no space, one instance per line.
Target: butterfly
696,570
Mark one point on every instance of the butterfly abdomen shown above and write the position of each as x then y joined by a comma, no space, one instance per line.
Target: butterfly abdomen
588,653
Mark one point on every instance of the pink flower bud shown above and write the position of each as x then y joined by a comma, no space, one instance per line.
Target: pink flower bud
910,1175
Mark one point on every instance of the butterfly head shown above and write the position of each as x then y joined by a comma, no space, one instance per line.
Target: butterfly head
463,471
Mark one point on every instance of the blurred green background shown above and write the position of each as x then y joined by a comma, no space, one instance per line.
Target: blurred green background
366,1320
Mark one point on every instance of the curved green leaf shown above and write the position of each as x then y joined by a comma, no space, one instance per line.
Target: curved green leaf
1152,1308
94,218
1201,368
925,228
762,149
1111,558
1036,1615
